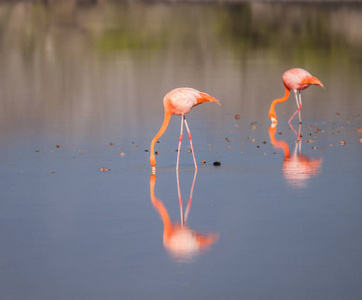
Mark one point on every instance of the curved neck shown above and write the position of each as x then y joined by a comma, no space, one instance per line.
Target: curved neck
163,128
284,98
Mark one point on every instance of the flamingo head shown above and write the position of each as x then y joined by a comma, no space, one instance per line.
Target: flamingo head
273,116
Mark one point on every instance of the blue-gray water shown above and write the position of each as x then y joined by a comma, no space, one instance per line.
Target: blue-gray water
81,89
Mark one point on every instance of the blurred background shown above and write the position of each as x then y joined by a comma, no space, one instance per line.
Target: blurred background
75,66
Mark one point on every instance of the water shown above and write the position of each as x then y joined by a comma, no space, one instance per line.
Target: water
81,88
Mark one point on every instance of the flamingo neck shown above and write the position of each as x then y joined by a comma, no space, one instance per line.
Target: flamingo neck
272,114
163,128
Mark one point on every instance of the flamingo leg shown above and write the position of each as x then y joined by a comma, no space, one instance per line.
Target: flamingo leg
192,148
296,99
300,107
180,140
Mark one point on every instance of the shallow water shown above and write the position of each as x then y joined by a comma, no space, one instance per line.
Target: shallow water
81,89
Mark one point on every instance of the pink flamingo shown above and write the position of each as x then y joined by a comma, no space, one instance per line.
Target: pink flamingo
179,102
294,79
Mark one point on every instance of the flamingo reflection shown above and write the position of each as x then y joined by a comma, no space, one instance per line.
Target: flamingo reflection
297,167
181,241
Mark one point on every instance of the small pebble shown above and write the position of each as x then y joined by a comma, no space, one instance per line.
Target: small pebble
111,144
264,142
203,162
57,146
237,117
123,154
342,143
228,147
189,150
156,153
360,140
104,169
359,130
37,150
217,163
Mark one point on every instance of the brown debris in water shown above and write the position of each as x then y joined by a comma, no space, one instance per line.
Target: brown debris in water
104,169
237,117
342,143
203,162
217,163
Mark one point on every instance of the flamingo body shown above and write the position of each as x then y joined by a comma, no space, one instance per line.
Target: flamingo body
179,101
296,79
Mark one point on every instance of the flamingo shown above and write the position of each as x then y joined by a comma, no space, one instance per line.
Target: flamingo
294,79
179,101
